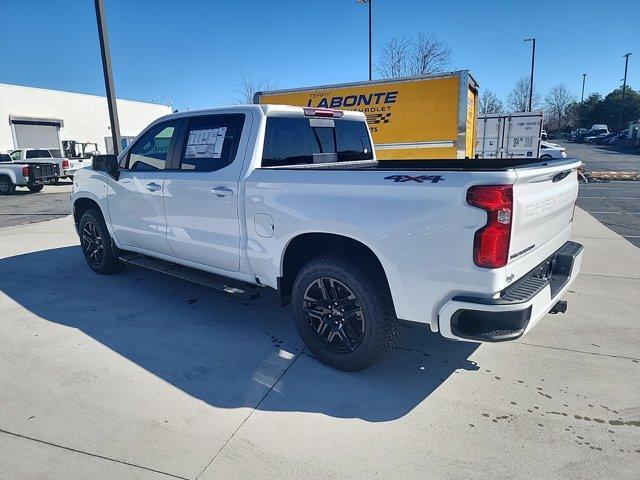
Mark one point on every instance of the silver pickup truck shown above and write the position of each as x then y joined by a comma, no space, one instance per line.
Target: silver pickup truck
24,174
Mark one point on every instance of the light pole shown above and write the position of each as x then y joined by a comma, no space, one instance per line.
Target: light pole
624,88
108,75
368,2
584,76
533,60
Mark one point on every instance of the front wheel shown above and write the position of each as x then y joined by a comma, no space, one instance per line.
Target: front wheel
344,313
97,247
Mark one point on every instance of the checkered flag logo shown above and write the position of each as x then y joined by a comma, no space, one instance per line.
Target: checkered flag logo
378,118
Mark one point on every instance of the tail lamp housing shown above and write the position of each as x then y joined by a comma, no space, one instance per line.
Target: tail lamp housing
65,163
491,242
25,171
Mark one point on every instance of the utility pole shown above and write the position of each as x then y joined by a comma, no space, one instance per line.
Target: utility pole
369,2
584,76
108,75
533,60
624,88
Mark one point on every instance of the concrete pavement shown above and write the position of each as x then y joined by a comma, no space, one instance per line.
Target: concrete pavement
140,376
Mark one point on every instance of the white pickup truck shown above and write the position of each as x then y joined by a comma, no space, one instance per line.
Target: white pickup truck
24,174
291,198
43,155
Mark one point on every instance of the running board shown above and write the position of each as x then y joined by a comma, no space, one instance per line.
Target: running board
238,289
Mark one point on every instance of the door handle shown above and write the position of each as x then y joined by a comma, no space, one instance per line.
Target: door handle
153,187
221,191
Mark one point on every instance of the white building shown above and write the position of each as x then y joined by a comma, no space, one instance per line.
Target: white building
37,117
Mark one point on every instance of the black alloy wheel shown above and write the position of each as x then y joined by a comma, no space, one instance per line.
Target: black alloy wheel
93,243
334,315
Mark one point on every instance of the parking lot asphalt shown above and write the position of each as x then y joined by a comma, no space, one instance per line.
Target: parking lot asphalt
614,203
138,375
598,158
27,207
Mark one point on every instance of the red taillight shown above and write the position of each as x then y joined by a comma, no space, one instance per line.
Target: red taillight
491,242
25,171
65,163
322,112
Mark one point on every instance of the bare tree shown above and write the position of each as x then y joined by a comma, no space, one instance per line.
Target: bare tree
394,58
249,86
420,55
518,99
490,103
556,103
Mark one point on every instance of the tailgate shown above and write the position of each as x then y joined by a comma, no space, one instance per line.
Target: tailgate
42,171
544,197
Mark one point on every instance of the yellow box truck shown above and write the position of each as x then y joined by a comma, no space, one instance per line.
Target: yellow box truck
430,116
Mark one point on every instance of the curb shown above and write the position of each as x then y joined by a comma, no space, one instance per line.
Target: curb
601,175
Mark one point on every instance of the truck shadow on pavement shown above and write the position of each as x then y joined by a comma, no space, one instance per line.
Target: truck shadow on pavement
217,349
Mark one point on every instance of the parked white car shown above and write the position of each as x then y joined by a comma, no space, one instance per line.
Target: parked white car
552,150
267,196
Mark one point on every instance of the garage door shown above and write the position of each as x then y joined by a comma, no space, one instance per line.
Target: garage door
36,134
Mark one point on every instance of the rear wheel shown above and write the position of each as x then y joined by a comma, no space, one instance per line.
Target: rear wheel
35,188
546,156
343,312
6,186
97,246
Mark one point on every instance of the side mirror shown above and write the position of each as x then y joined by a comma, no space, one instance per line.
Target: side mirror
108,164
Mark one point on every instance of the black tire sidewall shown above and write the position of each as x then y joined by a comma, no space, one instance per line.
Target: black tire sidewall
10,186
371,299
110,262
35,188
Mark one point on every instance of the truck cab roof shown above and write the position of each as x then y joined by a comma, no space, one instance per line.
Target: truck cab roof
266,109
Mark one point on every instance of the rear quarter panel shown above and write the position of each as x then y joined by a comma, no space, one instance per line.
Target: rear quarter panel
422,233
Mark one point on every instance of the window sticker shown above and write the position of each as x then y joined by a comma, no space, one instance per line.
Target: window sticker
206,143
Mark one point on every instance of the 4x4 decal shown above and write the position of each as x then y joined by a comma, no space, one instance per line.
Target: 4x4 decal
418,179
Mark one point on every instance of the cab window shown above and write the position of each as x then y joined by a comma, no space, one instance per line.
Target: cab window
301,140
38,154
151,151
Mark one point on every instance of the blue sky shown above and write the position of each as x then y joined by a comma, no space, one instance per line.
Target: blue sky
193,52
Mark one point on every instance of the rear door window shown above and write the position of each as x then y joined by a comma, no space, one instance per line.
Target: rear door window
211,142
306,140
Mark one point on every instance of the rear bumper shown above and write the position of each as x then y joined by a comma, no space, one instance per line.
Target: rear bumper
518,307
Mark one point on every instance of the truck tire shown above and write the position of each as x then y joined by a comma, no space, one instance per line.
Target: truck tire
546,156
35,188
98,248
7,187
343,312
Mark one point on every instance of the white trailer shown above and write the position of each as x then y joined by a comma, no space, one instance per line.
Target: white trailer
509,135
